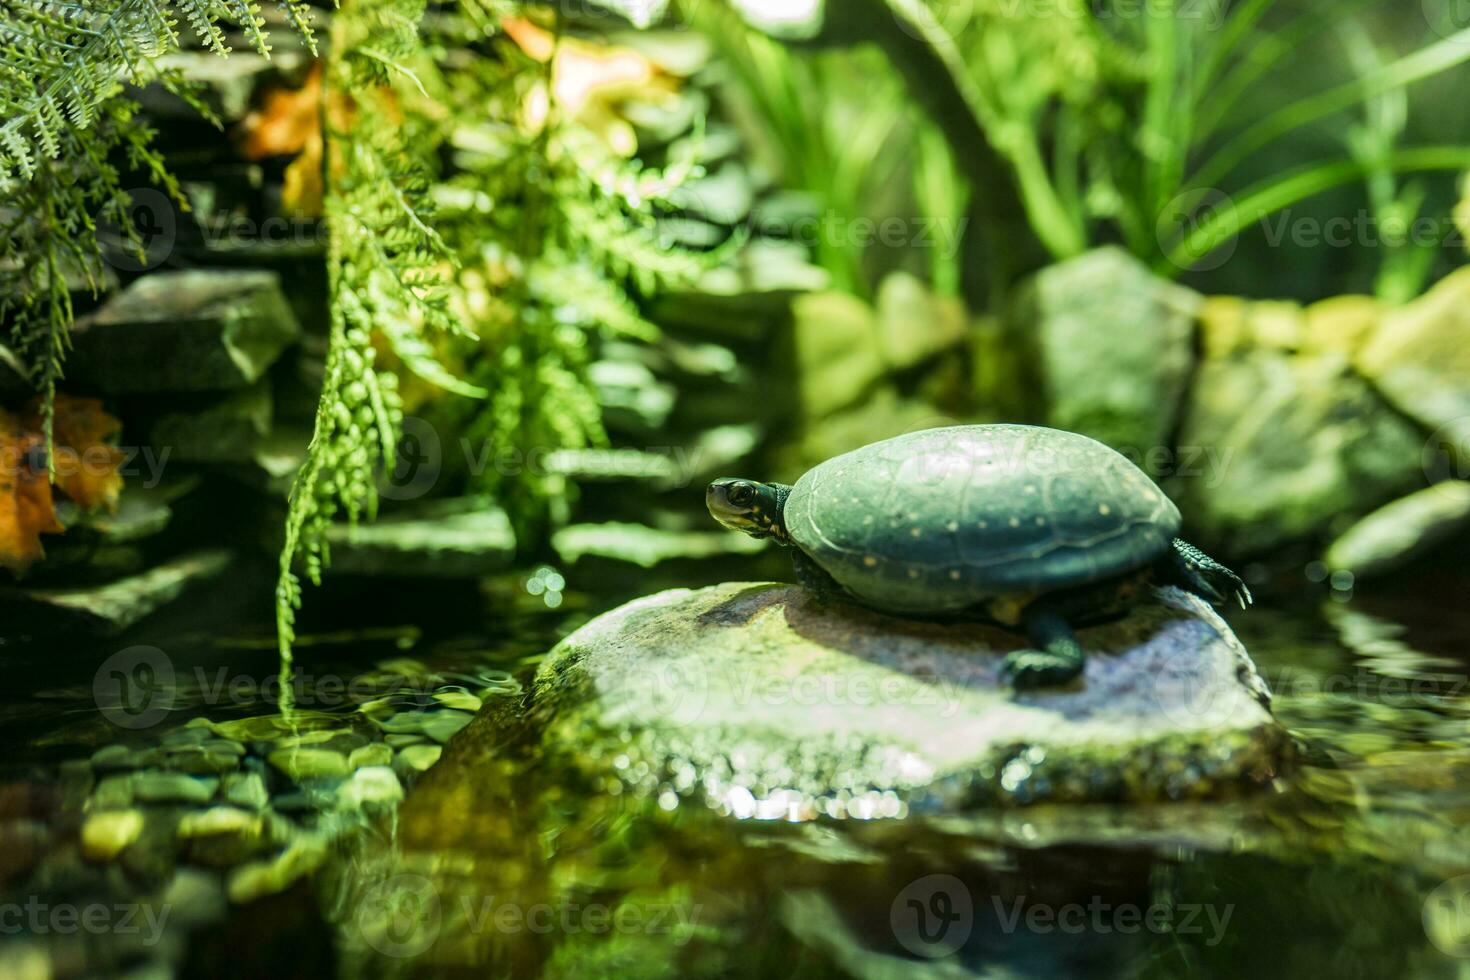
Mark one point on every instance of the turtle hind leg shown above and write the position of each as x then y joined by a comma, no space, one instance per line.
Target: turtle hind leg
1189,568
1057,658
814,578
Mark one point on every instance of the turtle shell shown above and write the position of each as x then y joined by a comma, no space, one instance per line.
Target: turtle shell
943,519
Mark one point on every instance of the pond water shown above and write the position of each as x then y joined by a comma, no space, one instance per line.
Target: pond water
499,863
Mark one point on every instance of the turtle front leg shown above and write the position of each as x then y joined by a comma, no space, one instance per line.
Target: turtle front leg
815,578
1058,655
1189,568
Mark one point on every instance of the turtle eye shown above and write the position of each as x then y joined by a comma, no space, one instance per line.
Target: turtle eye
742,494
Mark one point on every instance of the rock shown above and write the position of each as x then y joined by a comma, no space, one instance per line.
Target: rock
883,415
724,198
1276,448
226,85
223,836
119,758
405,739
246,790
202,330
234,426
632,398
441,726
300,764
1112,345
115,606
105,834
196,897
416,758
112,793
371,786
768,704
377,754
262,878
914,324
459,700
140,515
1341,323
450,539
738,300
1396,534
13,376
1419,359
839,351
172,787
646,547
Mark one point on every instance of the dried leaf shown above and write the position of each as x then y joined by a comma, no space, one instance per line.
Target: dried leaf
87,462
286,122
26,510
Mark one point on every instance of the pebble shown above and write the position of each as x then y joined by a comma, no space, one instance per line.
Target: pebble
402,741
194,897
404,723
172,787
119,758
201,761
105,834
299,764
441,726
370,786
417,758
459,700
247,790
220,820
112,793
371,755
261,878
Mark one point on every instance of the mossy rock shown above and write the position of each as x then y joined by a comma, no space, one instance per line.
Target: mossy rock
765,703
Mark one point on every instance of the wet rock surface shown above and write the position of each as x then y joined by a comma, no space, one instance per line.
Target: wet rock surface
770,705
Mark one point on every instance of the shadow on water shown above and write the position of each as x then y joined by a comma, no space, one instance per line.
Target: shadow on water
508,860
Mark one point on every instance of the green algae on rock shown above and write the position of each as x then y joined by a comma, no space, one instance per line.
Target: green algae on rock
768,704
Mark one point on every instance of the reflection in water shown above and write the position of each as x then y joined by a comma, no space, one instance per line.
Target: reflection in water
507,859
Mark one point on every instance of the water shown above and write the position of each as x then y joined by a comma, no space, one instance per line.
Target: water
501,863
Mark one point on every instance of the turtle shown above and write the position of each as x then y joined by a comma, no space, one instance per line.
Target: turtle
1036,529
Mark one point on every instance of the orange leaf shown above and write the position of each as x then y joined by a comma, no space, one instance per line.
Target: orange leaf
86,465
286,122
26,510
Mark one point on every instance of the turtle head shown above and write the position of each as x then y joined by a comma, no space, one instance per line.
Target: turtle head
749,506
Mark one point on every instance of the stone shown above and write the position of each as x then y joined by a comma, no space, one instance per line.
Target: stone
172,787
235,425
913,323
13,376
201,761
1394,535
459,700
450,539
1277,448
260,879
723,198
200,330
140,515
106,833
738,300
1341,323
370,786
765,703
416,758
838,351
300,764
114,606
377,754
112,793
632,398
222,836
1418,358
1112,346
403,740
646,547
246,790
119,758
441,726
226,85
195,897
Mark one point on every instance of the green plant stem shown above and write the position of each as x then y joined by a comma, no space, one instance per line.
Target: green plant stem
1412,68
1270,196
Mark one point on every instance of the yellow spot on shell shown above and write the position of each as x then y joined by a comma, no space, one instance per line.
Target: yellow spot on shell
1104,509
954,573
1015,522
916,532
913,573
870,561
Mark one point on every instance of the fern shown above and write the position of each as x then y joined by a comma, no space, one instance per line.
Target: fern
384,274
